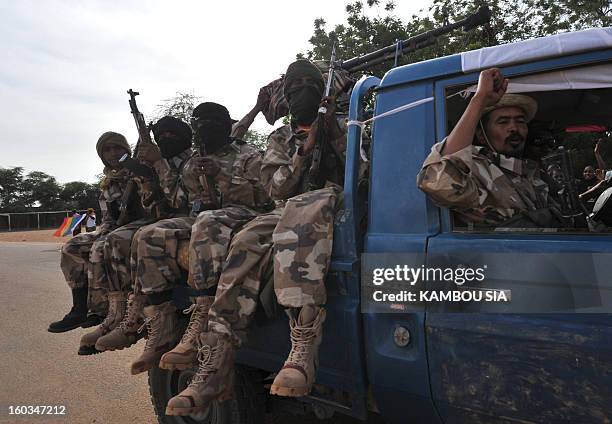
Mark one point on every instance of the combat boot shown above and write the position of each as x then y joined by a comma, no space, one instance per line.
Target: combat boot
77,314
184,355
126,333
213,381
298,374
116,310
161,323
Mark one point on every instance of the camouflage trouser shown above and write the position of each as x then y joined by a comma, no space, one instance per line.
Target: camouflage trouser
210,238
237,294
117,255
153,254
302,247
82,262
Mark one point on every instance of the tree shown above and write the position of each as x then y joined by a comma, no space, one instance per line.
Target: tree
256,139
11,189
180,106
41,190
79,195
512,20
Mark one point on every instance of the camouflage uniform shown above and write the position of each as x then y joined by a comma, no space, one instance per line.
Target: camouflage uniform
481,189
118,242
283,175
82,256
241,196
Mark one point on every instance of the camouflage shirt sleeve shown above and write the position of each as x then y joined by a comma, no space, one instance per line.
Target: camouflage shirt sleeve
109,205
449,179
169,179
283,167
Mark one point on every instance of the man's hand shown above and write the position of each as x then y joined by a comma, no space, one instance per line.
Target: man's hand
332,130
600,174
491,87
597,149
148,153
206,166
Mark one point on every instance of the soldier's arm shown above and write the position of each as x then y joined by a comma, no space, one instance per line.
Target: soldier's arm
108,222
491,87
448,179
282,172
240,128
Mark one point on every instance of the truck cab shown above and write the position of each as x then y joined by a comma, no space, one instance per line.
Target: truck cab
437,363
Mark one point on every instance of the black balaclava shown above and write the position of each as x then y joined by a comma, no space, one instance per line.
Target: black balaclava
172,146
212,126
303,99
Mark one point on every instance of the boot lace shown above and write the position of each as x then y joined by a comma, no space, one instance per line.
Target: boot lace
130,317
153,326
110,316
198,314
302,341
207,357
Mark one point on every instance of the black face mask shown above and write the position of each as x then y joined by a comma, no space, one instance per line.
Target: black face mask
212,134
171,146
304,103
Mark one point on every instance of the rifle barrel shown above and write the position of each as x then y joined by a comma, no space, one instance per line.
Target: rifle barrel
413,43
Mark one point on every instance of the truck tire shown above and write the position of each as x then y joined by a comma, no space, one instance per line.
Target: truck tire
247,407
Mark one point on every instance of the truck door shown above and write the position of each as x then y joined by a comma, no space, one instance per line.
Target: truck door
525,367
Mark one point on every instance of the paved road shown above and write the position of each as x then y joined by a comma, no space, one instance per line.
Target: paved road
41,368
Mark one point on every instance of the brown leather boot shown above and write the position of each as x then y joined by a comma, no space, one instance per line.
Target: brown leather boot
116,310
213,381
126,333
161,323
298,374
185,354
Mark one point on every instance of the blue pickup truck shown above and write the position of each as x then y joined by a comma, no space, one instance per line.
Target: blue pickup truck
430,366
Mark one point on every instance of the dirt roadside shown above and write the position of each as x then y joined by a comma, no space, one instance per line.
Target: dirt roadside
36,236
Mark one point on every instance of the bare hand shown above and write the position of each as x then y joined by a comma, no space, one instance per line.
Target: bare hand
491,87
206,166
599,174
598,147
148,153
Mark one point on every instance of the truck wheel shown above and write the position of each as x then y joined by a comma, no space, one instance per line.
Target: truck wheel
247,407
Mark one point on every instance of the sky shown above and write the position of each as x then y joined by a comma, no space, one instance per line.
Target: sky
65,67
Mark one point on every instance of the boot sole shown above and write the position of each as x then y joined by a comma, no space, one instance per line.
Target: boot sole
170,366
288,391
64,329
112,348
195,410
88,350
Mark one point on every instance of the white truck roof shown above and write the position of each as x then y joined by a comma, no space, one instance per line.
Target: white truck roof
537,48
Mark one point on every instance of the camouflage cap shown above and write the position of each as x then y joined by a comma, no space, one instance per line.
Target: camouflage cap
111,137
526,103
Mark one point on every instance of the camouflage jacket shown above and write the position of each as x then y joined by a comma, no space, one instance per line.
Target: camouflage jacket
236,184
156,200
284,170
482,189
113,185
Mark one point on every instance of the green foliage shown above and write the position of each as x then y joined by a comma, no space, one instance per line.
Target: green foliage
38,191
367,28
11,189
256,139
79,195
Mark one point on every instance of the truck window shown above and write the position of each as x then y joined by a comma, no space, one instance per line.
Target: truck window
569,139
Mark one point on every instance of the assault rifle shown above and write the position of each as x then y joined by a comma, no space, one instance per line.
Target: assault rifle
419,41
135,167
208,184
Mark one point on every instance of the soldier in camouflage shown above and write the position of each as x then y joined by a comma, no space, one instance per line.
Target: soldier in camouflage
478,170
173,137
82,258
284,175
218,190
